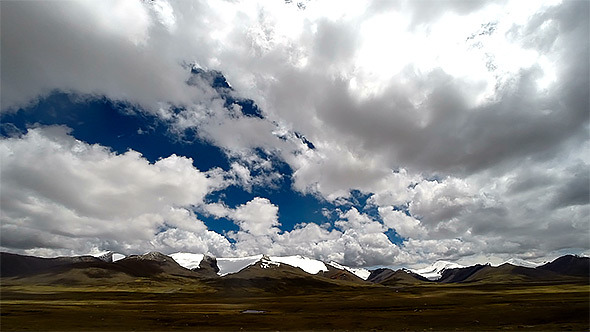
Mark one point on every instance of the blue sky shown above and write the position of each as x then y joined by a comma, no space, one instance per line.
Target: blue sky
121,127
366,133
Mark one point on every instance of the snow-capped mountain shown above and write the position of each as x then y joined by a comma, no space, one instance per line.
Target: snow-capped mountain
434,272
235,264
359,272
188,260
521,262
109,256
308,265
261,268
229,265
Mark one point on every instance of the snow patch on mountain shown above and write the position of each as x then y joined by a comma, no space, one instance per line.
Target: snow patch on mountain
435,271
522,262
233,265
359,272
117,257
188,260
236,264
308,265
266,263
109,256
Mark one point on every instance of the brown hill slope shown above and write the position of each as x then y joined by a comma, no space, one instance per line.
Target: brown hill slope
511,273
569,265
90,270
12,265
153,264
338,274
459,274
389,277
269,277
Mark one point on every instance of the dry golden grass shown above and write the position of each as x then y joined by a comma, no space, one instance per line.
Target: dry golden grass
187,304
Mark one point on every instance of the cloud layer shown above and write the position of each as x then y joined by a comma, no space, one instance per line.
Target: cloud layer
64,196
466,124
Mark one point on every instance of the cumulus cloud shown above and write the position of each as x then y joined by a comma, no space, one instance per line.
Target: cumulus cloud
257,217
356,240
403,224
61,193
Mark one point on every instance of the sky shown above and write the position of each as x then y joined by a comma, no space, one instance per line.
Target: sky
369,133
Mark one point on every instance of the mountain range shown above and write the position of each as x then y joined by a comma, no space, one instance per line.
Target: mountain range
185,291
270,272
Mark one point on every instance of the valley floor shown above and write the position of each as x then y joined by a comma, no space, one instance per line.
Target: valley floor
184,307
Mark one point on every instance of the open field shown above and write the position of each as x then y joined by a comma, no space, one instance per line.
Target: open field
197,306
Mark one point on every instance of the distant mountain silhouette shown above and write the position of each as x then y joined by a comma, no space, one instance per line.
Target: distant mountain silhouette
87,268
152,264
569,265
560,269
390,277
12,265
208,267
277,278
266,275
511,273
378,275
460,274
339,274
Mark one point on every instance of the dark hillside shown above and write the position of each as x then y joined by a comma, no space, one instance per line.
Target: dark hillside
403,278
459,274
569,265
152,264
379,275
337,274
389,277
511,273
266,277
13,265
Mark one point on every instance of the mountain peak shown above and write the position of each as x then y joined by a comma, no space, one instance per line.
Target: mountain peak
109,256
569,265
521,262
153,256
436,270
308,265
359,272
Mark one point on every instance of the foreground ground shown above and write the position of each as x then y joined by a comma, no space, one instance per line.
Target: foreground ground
178,306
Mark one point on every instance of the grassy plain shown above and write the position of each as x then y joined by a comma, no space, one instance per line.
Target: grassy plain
180,305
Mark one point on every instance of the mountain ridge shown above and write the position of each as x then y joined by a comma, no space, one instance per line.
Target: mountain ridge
203,267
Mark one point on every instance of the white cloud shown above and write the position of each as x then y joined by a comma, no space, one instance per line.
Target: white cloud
61,193
438,202
332,170
356,239
403,224
357,222
178,239
257,217
165,14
